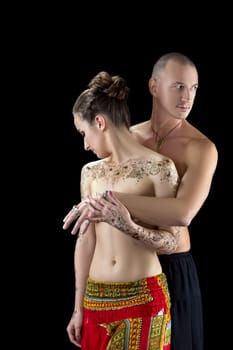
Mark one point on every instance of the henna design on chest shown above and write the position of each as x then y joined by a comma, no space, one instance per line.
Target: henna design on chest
132,169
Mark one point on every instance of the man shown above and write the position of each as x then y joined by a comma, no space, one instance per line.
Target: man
173,87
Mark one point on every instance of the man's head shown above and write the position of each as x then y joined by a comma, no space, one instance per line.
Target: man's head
173,85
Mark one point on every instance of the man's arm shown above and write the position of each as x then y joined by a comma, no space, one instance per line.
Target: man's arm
192,192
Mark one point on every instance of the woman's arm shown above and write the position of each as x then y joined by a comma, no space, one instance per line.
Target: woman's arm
83,254
163,239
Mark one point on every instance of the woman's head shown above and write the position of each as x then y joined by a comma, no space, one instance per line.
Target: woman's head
106,95
100,111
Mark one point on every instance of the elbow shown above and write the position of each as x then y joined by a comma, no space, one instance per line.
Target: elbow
184,221
185,217
184,212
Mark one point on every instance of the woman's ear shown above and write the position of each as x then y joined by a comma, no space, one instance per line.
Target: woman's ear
100,121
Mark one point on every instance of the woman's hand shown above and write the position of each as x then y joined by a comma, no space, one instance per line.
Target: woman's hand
74,328
100,208
78,213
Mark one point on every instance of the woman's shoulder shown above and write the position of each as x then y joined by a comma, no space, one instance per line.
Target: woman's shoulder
92,165
154,156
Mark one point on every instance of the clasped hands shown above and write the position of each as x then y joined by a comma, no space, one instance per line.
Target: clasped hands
100,208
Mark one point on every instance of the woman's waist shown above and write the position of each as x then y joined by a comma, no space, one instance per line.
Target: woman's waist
122,267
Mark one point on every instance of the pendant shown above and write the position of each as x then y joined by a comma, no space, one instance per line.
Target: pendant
160,142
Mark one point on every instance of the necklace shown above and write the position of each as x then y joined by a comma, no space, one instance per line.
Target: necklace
161,139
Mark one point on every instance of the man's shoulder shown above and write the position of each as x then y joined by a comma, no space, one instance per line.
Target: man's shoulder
196,137
195,133
140,131
202,146
140,126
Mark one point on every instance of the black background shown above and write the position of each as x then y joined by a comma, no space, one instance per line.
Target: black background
53,53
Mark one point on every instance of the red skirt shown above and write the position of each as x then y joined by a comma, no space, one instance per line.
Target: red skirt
127,315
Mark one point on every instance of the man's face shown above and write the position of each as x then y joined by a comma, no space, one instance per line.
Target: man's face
176,89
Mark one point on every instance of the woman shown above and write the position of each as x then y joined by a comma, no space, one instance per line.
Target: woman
121,299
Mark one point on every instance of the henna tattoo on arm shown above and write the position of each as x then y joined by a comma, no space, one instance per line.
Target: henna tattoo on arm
164,241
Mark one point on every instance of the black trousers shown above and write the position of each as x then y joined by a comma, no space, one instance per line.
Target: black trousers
186,302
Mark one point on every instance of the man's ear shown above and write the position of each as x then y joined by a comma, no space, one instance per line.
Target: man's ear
153,86
100,121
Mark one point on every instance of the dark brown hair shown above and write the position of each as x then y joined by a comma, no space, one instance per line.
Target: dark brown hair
106,95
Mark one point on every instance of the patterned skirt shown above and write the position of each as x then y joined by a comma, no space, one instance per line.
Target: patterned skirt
127,315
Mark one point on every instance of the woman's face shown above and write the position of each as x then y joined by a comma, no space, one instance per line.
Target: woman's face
93,136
